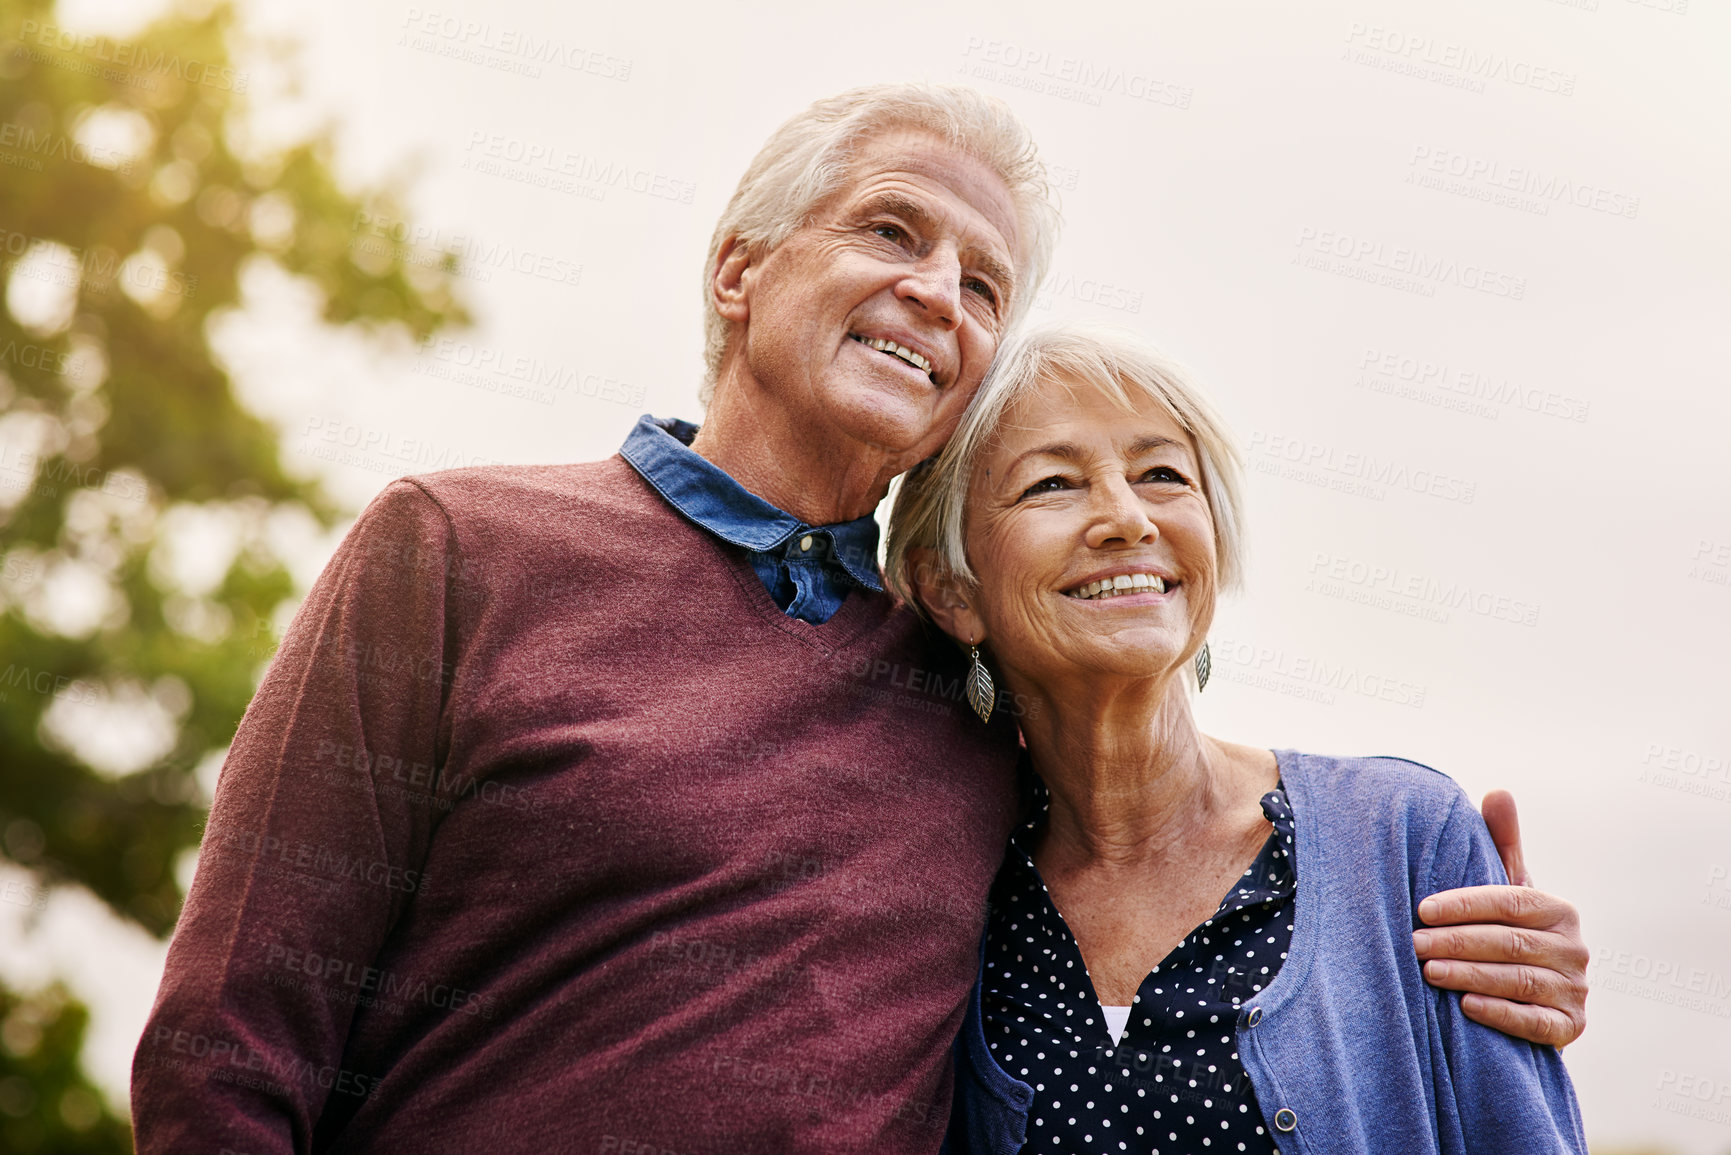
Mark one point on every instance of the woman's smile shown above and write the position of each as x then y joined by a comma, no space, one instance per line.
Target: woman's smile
1125,587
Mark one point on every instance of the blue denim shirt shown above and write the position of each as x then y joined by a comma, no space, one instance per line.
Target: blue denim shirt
1349,1049
807,569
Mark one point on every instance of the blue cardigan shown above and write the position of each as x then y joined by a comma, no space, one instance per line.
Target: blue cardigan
1349,1049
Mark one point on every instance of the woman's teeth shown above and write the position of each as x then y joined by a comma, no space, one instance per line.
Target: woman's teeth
902,351
1124,583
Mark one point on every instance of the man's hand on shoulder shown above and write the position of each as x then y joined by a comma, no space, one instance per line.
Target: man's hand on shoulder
1515,952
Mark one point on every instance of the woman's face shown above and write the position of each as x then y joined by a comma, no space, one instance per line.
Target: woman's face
1075,498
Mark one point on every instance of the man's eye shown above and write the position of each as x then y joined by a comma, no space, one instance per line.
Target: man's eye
890,232
1046,485
983,288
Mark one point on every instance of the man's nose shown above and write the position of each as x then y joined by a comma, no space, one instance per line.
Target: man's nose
934,283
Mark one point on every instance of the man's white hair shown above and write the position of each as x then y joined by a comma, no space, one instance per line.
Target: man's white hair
811,157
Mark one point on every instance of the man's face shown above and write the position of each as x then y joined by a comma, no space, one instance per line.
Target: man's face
918,250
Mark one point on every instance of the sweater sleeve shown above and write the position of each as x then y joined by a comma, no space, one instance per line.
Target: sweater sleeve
307,859
1496,1093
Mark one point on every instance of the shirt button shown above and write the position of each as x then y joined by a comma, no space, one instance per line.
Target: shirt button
1255,1016
805,542
1285,1120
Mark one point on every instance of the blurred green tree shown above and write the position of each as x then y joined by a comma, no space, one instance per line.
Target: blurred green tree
46,1103
131,203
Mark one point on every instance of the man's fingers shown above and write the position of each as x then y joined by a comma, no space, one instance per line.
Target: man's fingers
1510,905
1535,1024
1521,984
1505,827
1502,944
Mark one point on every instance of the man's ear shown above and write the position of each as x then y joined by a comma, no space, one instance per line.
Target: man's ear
945,598
728,283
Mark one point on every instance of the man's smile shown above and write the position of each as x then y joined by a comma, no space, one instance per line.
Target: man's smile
901,353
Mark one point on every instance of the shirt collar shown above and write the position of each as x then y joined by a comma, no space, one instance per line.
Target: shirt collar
660,450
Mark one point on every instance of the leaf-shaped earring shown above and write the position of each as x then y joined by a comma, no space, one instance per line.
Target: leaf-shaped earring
982,694
1204,667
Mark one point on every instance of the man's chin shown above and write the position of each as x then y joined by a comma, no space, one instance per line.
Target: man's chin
889,420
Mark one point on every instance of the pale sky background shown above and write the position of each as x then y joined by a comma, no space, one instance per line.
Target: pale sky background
1349,136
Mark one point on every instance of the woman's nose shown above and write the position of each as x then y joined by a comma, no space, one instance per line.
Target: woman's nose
1120,517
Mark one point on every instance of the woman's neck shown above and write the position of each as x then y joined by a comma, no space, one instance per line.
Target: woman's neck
1132,780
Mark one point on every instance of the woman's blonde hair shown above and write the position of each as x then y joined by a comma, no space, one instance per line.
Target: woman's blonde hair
810,157
930,503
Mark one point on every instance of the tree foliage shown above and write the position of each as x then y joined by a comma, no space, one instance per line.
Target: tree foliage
46,1103
131,203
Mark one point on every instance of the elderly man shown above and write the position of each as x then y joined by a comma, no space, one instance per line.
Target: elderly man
614,807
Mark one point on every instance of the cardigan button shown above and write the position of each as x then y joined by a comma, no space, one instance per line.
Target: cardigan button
1285,1120
1255,1016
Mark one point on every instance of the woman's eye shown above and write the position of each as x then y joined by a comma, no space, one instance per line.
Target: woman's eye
1046,485
890,232
1165,473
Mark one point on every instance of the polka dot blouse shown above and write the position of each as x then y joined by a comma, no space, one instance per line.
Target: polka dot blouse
1173,1084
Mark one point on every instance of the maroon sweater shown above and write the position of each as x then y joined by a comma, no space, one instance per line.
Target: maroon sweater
548,831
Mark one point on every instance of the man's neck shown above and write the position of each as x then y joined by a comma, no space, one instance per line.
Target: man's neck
815,474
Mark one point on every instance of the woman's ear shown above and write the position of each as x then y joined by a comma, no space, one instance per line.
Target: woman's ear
729,283
948,602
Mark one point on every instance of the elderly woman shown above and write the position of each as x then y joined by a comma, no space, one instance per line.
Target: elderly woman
1074,537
